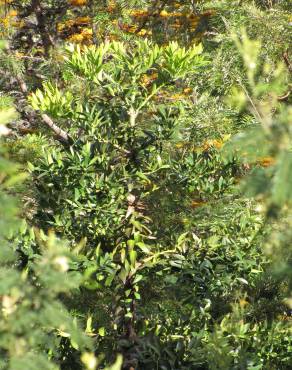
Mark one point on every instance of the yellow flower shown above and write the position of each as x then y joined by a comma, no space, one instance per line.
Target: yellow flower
188,90
177,96
243,303
69,23
5,22
176,14
176,25
87,33
113,37
139,13
111,6
112,3
144,32
164,14
19,55
82,20
18,24
76,38
148,79
60,27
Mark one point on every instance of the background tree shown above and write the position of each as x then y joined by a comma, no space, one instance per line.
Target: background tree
165,163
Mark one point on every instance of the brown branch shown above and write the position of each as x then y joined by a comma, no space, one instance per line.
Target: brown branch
287,61
284,97
61,134
22,85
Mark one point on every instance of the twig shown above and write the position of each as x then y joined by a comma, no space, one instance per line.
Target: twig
61,135
284,97
123,150
250,100
287,61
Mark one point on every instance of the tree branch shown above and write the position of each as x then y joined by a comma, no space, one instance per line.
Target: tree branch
61,135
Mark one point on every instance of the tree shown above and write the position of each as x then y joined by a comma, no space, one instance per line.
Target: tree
165,165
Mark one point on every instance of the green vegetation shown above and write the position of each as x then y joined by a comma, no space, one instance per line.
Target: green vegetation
145,185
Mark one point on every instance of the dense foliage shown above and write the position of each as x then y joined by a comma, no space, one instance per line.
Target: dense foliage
145,185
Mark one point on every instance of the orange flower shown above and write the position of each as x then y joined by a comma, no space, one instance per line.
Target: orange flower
194,17
194,24
13,13
212,143
209,13
217,144
111,9
197,203
206,146
128,28
266,161
77,2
